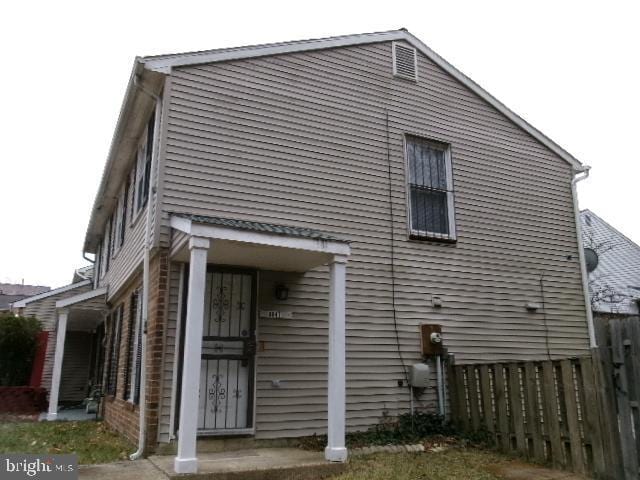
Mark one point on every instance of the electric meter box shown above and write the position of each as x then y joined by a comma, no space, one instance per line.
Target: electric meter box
431,340
420,375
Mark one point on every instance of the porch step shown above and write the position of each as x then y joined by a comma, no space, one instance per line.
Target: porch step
255,464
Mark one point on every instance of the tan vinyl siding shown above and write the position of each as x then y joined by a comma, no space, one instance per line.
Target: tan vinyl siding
128,259
75,367
45,311
169,357
301,139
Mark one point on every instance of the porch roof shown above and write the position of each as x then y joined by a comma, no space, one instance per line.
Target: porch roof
257,245
260,227
85,310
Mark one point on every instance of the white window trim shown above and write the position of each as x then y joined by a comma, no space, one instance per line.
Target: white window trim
393,61
425,235
117,225
141,157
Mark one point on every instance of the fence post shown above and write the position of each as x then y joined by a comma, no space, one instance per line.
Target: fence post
571,405
501,407
533,411
591,415
603,382
551,414
515,400
487,404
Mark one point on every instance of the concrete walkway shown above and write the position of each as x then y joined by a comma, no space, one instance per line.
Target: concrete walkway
127,470
261,463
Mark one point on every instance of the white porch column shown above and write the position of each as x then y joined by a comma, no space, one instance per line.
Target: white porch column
336,450
186,460
61,333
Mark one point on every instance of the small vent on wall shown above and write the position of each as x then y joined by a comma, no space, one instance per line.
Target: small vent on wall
405,62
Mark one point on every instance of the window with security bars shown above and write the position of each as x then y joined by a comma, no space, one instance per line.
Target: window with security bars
430,189
114,350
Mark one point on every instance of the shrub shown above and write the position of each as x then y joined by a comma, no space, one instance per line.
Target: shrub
405,429
18,342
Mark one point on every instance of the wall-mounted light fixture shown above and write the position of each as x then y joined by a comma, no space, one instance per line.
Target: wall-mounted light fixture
282,292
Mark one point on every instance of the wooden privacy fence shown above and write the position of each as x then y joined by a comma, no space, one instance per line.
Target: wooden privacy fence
560,412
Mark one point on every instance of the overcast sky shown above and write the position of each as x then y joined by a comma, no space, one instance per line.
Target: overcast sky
572,69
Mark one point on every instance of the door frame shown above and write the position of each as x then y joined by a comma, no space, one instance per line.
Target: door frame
252,374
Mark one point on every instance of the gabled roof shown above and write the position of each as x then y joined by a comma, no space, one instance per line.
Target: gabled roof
66,288
147,70
164,64
259,227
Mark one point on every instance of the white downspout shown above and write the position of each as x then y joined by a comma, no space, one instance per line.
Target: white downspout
142,430
583,266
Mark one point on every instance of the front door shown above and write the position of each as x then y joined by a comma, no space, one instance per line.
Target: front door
228,351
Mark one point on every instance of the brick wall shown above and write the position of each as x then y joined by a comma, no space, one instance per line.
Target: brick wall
118,412
158,302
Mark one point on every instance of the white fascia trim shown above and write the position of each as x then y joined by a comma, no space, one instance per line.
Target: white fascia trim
494,102
23,303
260,238
164,64
67,302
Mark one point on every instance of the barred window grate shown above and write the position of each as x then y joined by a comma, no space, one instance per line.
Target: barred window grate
430,189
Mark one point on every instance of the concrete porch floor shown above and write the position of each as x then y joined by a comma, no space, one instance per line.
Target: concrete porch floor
260,463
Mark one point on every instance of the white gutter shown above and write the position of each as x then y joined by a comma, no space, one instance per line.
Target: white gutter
583,265
142,430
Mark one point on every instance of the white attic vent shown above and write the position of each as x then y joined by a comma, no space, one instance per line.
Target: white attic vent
405,62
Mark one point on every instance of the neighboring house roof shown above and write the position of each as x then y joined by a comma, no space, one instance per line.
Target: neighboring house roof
259,227
149,71
23,303
615,283
10,293
20,289
7,300
84,273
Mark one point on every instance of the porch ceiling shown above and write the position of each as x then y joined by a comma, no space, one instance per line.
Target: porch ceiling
84,320
256,245
86,310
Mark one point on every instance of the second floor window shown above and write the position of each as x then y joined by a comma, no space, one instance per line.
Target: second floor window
430,189
143,173
123,214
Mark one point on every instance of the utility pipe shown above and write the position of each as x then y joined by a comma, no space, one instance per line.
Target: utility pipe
440,385
583,266
142,430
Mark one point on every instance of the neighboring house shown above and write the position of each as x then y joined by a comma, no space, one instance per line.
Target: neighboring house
13,292
268,212
81,342
613,262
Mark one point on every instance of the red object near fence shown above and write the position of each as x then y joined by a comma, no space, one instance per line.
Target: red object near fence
22,400
38,361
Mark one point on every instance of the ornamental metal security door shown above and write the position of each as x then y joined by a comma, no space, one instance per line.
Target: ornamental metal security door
228,351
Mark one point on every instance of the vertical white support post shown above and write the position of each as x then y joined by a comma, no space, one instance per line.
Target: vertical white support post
336,450
61,333
186,460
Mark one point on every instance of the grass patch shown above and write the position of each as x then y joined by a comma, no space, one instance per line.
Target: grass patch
93,442
452,464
